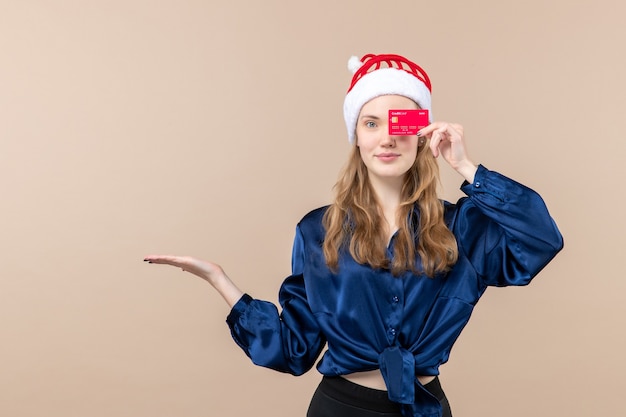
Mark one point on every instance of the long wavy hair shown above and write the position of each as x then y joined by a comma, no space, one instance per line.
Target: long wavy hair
355,220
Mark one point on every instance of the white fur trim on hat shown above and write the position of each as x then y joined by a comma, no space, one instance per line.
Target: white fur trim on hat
384,81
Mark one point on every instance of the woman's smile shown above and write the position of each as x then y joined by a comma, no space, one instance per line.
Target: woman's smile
387,156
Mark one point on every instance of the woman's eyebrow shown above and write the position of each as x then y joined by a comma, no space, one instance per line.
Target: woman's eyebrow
369,116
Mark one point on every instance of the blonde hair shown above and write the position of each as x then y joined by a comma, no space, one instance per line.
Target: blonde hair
355,220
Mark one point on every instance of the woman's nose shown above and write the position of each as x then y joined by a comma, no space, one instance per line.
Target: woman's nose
388,140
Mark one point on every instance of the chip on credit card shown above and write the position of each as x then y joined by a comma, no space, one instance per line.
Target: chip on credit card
407,122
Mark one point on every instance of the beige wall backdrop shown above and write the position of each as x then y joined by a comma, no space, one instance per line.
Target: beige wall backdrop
209,128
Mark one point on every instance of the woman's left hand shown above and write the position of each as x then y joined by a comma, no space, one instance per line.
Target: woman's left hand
447,140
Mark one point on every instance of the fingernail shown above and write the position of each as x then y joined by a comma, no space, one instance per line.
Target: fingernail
419,133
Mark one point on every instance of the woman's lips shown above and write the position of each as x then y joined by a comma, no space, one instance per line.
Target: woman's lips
387,157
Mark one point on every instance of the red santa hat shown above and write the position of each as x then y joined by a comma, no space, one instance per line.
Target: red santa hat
379,75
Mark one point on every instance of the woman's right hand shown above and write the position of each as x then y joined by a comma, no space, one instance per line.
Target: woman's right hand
206,270
209,271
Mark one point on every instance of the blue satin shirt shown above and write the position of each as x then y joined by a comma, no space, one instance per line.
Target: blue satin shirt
403,325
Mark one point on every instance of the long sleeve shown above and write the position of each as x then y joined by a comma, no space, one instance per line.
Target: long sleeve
505,231
289,341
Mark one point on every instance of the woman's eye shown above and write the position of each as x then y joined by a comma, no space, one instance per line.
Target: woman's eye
370,124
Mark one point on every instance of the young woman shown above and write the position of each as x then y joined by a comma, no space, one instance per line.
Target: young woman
388,274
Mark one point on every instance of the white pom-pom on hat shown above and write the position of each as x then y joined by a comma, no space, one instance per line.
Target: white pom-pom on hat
354,63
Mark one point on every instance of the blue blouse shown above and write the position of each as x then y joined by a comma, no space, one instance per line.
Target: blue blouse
403,325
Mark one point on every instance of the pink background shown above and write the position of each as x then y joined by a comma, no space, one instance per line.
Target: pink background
121,135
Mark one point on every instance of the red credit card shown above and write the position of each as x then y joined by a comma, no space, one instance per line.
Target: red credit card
407,122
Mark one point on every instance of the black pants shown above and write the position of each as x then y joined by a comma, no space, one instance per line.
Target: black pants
337,397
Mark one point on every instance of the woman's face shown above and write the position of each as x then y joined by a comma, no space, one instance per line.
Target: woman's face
386,157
